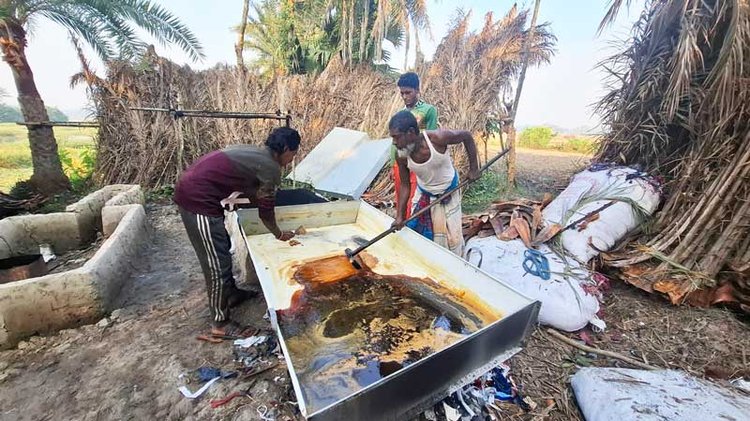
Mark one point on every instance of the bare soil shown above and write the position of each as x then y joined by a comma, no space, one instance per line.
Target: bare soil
547,171
128,366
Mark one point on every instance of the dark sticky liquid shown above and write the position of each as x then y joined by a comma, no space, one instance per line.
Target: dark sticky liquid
347,333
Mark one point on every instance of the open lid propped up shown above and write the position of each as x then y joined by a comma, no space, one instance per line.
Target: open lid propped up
343,164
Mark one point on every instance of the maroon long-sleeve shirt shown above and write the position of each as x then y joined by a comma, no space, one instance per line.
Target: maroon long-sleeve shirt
251,170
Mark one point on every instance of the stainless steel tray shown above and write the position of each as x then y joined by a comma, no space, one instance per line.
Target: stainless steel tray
334,226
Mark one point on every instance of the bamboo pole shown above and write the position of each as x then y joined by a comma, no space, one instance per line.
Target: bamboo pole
715,204
676,229
731,236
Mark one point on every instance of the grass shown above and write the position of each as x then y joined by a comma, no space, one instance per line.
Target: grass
575,144
492,186
15,155
579,144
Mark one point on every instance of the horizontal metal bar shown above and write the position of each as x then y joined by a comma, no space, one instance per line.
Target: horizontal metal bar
58,123
216,114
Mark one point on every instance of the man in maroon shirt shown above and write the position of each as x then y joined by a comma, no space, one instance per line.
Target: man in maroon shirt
251,171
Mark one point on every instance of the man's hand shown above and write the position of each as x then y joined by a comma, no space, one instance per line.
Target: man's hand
285,236
474,175
398,223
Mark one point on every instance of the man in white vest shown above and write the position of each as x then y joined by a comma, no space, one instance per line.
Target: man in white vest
426,154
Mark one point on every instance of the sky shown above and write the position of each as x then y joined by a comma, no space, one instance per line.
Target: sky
559,94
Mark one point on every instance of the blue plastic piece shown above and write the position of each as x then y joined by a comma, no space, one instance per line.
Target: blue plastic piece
536,263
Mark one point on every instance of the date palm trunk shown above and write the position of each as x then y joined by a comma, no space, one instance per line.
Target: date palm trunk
48,177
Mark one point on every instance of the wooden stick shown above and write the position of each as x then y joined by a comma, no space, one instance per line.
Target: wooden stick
606,353
588,215
262,370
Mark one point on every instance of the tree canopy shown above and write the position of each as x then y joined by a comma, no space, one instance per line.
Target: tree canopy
302,37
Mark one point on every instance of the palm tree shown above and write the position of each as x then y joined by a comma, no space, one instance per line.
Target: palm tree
413,14
108,27
241,37
519,88
303,36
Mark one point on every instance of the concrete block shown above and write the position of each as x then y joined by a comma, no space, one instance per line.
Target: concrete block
133,194
80,296
116,207
68,230
113,262
46,304
88,210
14,240
25,233
112,215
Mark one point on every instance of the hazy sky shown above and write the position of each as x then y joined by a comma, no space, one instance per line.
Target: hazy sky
559,93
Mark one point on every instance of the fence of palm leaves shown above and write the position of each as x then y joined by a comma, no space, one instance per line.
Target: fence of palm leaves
679,107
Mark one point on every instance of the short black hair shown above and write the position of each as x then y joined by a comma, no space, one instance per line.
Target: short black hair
283,139
403,121
409,80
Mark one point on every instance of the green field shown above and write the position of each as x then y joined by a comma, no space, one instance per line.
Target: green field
541,137
15,155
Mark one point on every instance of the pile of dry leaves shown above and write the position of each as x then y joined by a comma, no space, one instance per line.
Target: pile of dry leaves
520,218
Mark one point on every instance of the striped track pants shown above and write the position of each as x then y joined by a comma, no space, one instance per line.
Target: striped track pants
210,240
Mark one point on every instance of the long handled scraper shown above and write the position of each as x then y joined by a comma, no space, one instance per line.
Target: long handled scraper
352,255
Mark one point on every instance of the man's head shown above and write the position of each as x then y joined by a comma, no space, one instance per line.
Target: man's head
408,85
284,143
404,130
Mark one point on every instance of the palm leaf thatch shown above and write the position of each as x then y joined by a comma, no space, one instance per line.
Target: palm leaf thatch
152,148
679,108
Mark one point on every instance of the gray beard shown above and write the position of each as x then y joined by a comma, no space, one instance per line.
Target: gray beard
405,152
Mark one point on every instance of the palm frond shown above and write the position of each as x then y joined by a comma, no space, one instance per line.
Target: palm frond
83,27
612,12
109,26
162,25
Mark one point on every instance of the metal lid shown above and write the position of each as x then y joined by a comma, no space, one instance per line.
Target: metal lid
343,164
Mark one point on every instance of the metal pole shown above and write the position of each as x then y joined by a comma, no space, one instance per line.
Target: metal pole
216,114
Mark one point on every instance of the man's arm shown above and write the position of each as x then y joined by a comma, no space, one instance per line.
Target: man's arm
431,119
266,197
403,193
453,137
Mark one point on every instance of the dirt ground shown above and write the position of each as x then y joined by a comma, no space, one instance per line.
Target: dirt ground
128,366
547,171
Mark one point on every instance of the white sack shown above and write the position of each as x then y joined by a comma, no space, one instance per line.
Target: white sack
587,192
565,304
606,394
